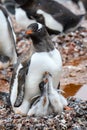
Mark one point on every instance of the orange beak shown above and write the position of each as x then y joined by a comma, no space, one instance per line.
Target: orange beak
29,32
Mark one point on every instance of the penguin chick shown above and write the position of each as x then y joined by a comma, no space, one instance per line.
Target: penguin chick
54,97
62,98
7,36
40,107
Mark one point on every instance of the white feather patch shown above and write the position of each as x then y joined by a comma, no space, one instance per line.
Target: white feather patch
39,26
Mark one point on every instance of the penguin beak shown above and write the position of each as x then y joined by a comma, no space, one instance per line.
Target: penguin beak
28,32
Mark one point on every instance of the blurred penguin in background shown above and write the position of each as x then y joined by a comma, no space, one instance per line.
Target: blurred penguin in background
51,13
7,38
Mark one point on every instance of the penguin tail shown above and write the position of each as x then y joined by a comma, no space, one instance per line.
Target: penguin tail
5,97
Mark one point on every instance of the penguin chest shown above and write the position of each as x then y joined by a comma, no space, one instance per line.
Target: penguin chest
40,63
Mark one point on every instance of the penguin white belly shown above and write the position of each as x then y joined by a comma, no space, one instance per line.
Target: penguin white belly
5,42
40,63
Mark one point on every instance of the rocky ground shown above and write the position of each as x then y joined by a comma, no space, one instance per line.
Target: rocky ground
73,119
73,48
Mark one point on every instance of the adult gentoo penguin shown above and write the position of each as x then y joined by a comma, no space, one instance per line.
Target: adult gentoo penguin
7,36
51,13
46,58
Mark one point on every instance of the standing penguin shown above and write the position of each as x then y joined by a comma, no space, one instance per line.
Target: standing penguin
7,36
46,58
51,13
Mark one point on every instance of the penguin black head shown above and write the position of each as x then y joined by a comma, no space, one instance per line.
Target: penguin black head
40,37
36,29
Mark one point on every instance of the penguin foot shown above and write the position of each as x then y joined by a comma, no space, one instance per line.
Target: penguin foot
23,108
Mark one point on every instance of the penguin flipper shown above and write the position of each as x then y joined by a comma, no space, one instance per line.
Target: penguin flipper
20,96
21,85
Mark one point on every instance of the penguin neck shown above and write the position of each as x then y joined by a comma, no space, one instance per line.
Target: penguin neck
51,89
42,44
